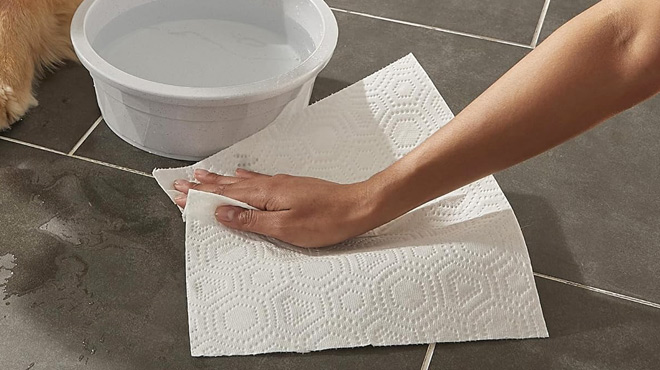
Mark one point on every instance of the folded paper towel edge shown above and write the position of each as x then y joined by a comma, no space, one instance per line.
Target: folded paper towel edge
195,352
530,269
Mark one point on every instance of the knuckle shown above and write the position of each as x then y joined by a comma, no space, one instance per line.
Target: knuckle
211,177
220,189
271,204
280,177
248,218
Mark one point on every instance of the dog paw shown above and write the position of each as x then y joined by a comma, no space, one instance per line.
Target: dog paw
13,106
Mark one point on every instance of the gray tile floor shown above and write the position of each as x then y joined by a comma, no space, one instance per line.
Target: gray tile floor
109,293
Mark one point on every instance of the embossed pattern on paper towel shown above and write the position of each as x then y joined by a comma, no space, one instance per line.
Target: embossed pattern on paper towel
455,269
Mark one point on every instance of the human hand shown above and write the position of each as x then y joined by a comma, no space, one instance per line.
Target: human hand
302,211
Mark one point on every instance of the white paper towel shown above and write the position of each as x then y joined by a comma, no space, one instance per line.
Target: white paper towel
454,269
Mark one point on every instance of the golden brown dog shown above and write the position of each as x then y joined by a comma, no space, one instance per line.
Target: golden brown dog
34,37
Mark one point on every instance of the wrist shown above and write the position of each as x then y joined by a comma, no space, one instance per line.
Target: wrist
378,199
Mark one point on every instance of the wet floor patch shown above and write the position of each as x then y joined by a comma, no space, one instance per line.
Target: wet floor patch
7,263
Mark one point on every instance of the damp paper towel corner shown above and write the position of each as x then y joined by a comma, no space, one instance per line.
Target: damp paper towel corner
455,269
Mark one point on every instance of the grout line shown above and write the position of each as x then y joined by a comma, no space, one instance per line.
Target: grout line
428,356
105,164
86,135
539,26
598,290
34,146
116,167
433,28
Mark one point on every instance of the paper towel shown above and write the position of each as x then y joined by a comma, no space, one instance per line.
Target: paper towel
454,269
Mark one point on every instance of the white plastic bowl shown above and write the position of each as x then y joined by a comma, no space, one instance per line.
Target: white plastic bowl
153,64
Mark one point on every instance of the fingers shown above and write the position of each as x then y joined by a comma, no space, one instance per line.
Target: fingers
206,177
209,178
260,222
234,187
249,195
245,174
181,200
234,191
208,182
185,186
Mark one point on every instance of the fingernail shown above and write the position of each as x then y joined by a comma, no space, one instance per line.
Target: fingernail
178,183
225,214
180,197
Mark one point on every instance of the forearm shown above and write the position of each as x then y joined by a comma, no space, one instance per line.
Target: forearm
592,68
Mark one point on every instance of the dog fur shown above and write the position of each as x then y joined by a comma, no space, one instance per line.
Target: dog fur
34,37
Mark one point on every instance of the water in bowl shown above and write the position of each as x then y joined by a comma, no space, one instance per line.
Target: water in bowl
200,49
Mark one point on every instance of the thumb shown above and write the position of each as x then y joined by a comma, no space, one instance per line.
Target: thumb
260,222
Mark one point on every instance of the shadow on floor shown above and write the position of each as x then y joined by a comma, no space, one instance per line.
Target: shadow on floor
324,87
545,239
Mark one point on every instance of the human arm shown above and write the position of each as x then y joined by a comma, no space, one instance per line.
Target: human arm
600,63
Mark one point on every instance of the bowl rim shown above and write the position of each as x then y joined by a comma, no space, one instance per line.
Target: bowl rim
228,95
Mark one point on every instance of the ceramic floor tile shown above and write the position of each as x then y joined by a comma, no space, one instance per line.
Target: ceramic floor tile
510,20
560,12
587,331
67,109
461,67
92,274
103,145
589,209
